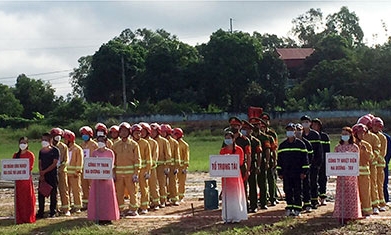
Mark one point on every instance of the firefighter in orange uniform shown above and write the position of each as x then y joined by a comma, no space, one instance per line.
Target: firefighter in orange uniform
153,181
163,162
114,133
127,167
177,133
75,169
101,130
88,145
145,168
166,132
56,134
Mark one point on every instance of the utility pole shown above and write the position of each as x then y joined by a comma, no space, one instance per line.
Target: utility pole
230,24
123,83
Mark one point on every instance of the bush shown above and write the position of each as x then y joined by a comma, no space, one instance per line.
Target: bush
14,122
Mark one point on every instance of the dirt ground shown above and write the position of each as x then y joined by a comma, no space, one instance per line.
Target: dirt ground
191,216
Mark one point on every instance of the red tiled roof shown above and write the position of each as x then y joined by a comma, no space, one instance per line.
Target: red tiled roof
294,53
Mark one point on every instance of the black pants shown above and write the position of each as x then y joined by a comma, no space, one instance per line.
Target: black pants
262,183
314,174
306,191
243,170
252,186
322,180
52,180
293,190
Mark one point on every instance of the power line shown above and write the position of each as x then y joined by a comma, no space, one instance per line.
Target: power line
37,74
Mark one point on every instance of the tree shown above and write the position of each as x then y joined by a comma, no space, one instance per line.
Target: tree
346,24
80,74
34,95
9,105
308,27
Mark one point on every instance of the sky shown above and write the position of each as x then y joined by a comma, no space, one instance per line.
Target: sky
45,39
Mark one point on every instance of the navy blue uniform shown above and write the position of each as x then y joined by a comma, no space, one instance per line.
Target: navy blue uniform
322,180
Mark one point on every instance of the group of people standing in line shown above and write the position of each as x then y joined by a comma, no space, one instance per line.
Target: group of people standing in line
299,161
150,163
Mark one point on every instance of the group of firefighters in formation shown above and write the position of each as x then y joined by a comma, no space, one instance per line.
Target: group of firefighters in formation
149,158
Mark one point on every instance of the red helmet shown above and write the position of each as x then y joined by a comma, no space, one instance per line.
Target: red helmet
155,126
358,127
124,125
178,132
146,126
376,121
366,120
101,127
114,128
86,130
56,131
166,128
69,135
136,127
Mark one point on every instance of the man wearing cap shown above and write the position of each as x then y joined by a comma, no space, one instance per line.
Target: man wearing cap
292,168
264,161
271,171
243,142
256,150
306,181
177,134
325,142
314,138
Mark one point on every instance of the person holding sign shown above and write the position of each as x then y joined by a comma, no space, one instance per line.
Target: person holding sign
102,201
24,195
48,158
292,168
365,173
234,199
347,200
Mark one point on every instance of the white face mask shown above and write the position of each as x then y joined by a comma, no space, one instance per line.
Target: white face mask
45,144
228,141
23,146
290,134
306,124
57,138
101,144
100,133
244,132
345,137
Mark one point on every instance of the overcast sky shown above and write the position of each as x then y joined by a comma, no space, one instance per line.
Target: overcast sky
44,39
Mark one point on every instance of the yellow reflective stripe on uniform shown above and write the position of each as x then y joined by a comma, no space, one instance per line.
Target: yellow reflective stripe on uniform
315,141
306,167
278,167
160,162
292,150
381,165
125,172
312,151
324,142
124,167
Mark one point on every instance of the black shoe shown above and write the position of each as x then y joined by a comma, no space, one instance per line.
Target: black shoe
253,210
273,203
52,215
39,216
314,206
263,207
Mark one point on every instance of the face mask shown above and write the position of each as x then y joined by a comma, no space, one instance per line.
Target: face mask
345,137
45,144
306,124
101,144
228,141
85,137
100,133
57,138
23,146
244,132
290,134
299,134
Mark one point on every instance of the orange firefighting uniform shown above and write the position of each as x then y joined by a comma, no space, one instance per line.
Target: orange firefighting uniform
75,169
88,147
174,166
153,182
62,176
145,168
163,163
366,156
381,164
374,141
185,157
126,167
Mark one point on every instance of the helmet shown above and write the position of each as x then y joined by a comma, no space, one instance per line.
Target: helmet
136,127
178,132
114,128
155,126
69,135
366,120
101,127
359,126
146,126
378,121
124,125
56,131
86,130
166,128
